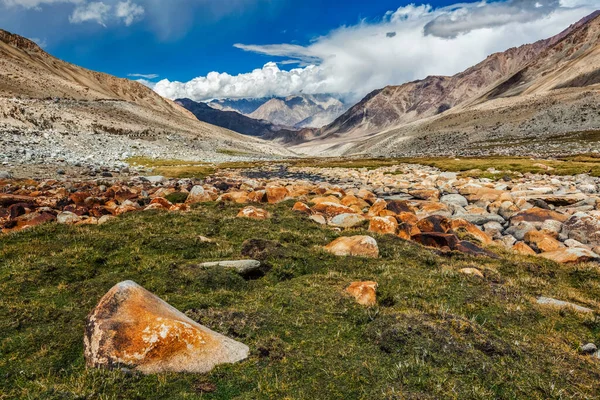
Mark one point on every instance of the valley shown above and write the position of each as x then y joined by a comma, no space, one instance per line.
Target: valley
259,236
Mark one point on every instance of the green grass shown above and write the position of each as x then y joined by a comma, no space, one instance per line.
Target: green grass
435,333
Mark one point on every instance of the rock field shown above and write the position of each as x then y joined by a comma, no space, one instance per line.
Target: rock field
556,217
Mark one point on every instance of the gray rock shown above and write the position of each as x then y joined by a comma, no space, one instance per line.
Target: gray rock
5,175
155,179
494,229
562,304
67,217
347,220
482,219
455,199
519,230
589,348
243,267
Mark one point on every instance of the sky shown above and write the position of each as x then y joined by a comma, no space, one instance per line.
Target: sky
206,49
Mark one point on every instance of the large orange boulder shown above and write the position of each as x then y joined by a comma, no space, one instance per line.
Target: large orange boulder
571,255
276,194
383,225
361,246
365,293
542,242
134,328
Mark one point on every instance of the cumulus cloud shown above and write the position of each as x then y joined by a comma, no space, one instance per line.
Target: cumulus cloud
129,12
266,81
366,56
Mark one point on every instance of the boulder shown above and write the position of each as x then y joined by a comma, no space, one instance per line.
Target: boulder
584,228
242,267
400,206
301,208
383,225
331,209
199,195
361,246
276,194
347,220
253,213
378,206
67,217
542,242
571,255
318,218
548,301
537,216
455,199
462,226
434,223
131,327
407,230
446,241
365,293
523,248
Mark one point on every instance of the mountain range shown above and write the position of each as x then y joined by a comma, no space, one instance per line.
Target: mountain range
548,88
541,97
296,111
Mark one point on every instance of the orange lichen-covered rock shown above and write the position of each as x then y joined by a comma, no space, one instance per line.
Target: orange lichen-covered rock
383,225
253,213
301,208
134,328
351,200
523,248
362,246
239,197
276,194
472,230
435,223
257,196
407,230
365,293
571,255
542,242
332,209
162,202
377,207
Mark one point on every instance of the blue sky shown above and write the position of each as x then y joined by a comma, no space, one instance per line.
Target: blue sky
179,40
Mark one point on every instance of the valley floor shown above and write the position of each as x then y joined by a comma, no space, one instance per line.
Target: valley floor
434,332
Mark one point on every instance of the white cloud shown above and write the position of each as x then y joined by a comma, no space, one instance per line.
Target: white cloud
145,76
129,12
36,3
100,12
97,11
366,56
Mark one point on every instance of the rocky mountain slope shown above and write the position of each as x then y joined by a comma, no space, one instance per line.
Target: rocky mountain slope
548,88
50,107
300,111
232,120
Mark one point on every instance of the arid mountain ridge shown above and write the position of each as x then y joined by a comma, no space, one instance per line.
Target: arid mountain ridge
55,104
548,88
